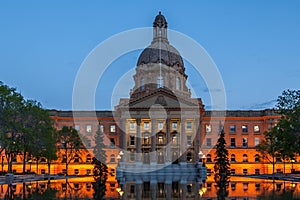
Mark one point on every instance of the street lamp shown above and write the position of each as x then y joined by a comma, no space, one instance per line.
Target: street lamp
292,161
203,160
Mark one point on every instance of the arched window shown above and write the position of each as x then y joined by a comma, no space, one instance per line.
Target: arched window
208,158
160,138
142,84
146,138
76,159
232,158
174,138
256,158
245,158
112,158
178,84
160,81
88,158
189,157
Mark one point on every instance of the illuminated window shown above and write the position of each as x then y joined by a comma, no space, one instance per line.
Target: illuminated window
174,125
256,129
245,142
146,125
88,128
88,171
101,127
160,139
208,142
245,129
245,158
256,141
131,125
245,185
208,128
232,129
112,128
160,125
232,158
146,139
189,125
174,139
132,140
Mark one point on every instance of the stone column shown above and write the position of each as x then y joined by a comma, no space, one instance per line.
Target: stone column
168,146
169,190
138,190
182,142
153,185
138,141
153,142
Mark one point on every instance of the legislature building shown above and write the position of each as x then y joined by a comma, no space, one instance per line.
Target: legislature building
161,127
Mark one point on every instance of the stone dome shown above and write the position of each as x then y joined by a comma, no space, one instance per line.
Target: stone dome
160,52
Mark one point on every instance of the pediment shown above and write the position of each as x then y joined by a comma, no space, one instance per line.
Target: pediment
164,98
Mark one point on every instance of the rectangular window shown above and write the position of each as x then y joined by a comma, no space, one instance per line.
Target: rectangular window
76,171
146,140
131,125
256,141
245,171
232,171
160,139
256,129
174,125
189,140
233,185
245,142
232,129
112,128
132,140
146,125
88,128
245,129
112,142
256,171
160,125
101,127
232,142
174,139
88,143
208,128
77,127
88,171
189,125
208,142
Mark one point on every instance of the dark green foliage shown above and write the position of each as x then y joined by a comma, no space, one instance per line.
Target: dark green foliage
222,167
25,127
70,144
283,140
100,169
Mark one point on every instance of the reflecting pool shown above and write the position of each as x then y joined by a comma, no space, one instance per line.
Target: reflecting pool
82,188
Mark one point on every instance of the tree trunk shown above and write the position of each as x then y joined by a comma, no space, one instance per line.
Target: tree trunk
37,166
49,165
273,168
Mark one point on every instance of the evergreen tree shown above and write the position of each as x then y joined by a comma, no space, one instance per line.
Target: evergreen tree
222,167
100,168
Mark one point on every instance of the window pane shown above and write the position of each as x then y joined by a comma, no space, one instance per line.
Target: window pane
89,128
146,125
174,125
256,129
232,129
188,125
208,128
131,126
112,128
244,128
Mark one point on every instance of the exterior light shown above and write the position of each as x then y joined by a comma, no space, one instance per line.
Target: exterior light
118,189
119,157
121,193
121,153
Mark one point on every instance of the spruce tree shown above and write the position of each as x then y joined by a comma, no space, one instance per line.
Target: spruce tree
100,168
222,166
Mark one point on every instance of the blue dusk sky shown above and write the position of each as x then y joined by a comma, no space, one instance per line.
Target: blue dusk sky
255,45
